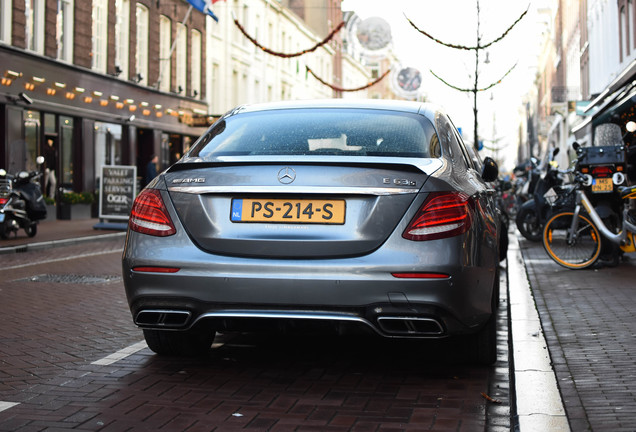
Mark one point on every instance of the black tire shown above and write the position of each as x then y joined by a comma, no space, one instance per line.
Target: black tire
579,254
31,230
189,343
482,345
4,230
529,223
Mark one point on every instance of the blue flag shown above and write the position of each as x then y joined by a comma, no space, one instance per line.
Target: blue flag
204,6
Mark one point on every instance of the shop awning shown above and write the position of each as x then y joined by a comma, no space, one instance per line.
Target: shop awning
619,82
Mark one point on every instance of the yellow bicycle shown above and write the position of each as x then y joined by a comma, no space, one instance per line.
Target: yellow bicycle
573,238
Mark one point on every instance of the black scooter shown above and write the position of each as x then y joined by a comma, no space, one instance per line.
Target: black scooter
21,202
532,214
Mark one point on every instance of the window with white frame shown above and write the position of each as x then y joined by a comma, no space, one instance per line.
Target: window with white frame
122,31
100,35
34,31
195,68
5,21
182,58
141,55
164,53
65,30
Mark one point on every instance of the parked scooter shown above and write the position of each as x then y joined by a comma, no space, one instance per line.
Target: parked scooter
21,202
533,213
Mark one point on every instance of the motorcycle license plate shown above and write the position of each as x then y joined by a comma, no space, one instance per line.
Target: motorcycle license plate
602,185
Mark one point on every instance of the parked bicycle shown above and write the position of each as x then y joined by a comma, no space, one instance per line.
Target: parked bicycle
573,239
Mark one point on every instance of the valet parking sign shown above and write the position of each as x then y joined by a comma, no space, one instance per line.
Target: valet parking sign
117,191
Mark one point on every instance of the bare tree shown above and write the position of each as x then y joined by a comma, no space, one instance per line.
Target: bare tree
476,48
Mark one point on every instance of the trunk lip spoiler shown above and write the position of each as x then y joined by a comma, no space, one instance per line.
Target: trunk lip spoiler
314,190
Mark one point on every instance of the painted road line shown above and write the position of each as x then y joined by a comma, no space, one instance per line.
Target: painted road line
69,258
7,405
121,354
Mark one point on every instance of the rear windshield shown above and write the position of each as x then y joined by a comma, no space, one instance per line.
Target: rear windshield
319,132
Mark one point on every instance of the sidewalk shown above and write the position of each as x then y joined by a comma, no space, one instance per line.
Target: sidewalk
588,318
57,232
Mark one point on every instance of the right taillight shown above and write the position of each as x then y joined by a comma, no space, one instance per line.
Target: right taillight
150,216
442,215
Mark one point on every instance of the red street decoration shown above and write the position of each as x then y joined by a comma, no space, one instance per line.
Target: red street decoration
286,55
333,87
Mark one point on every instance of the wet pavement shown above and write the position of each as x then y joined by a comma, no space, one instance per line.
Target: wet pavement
572,334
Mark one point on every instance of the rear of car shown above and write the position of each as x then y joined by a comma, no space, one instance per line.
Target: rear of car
366,215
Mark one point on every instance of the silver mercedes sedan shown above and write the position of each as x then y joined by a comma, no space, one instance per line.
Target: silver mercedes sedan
354,215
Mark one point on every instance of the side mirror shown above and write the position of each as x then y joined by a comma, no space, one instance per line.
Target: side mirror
555,151
576,146
490,171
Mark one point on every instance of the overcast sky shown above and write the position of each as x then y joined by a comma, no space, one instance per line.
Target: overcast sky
456,22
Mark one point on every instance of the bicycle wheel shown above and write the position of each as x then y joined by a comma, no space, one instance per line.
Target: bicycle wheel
579,252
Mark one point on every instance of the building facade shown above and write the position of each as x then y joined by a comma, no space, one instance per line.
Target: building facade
116,82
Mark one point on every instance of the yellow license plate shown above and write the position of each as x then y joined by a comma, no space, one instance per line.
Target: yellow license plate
602,185
304,211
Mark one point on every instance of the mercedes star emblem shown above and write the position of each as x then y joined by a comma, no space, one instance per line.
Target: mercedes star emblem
286,175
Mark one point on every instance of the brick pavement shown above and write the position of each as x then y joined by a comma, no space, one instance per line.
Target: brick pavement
268,384
589,320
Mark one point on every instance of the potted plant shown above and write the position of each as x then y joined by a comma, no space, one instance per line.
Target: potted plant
75,205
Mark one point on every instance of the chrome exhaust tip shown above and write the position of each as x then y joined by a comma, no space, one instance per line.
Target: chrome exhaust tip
410,326
162,318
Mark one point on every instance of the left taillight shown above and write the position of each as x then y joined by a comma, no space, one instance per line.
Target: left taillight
441,215
150,216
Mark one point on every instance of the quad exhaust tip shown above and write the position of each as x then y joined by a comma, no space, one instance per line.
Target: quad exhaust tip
410,326
162,318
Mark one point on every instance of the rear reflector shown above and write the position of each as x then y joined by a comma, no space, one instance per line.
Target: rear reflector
421,275
442,215
156,269
150,216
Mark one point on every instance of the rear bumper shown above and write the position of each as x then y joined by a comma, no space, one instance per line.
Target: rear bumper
349,297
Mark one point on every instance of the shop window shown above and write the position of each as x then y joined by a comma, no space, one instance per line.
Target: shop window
108,149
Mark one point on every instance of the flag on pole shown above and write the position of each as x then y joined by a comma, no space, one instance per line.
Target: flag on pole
204,6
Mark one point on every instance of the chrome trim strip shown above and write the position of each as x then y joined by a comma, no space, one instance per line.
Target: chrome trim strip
313,316
426,165
282,314
294,190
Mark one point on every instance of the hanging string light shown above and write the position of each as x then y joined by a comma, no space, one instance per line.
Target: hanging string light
336,88
288,55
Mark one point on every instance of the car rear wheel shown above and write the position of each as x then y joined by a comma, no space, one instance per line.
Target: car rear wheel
191,342
483,344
